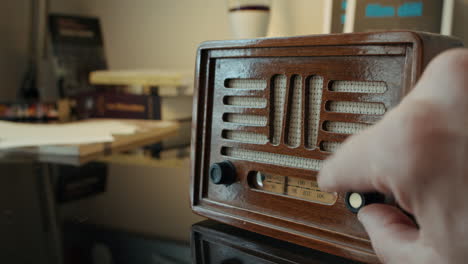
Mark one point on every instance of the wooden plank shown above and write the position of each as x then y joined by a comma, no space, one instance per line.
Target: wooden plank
144,78
148,132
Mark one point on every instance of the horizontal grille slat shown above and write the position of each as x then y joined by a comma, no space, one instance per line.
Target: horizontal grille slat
330,146
246,84
245,137
272,158
254,120
344,127
358,87
363,108
244,101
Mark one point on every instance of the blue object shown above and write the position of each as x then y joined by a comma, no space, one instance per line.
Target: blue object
343,19
377,10
410,9
344,3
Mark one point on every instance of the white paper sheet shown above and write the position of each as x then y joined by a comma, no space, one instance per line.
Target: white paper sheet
14,135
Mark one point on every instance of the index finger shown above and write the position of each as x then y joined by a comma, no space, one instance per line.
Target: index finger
355,166
369,161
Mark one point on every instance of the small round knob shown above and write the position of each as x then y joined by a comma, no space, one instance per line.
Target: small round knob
355,201
223,173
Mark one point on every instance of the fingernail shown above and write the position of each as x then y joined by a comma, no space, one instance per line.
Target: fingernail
360,216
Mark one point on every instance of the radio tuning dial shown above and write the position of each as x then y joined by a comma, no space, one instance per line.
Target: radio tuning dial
222,173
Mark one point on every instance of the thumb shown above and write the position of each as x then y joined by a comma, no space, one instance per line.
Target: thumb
392,233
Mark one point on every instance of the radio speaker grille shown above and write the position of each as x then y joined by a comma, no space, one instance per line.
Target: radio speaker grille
272,158
248,120
278,92
358,87
246,84
344,127
295,113
315,100
287,102
330,146
242,101
246,137
361,108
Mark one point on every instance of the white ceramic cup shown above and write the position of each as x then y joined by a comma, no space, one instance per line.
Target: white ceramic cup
249,18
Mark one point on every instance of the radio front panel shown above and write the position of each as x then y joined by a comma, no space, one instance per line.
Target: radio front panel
292,116
269,112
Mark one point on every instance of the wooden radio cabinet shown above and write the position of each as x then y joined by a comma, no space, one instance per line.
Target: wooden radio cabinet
267,112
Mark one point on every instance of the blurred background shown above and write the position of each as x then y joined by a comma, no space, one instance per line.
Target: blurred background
146,194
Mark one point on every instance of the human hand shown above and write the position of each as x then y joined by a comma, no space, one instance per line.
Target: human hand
419,154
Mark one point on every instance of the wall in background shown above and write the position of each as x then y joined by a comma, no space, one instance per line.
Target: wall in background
151,34
157,33
14,31
143,34
460,23
163,34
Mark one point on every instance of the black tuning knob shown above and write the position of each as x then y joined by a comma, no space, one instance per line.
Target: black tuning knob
355,201
223,173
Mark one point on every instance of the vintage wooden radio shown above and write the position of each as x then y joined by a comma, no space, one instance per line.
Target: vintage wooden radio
267,112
